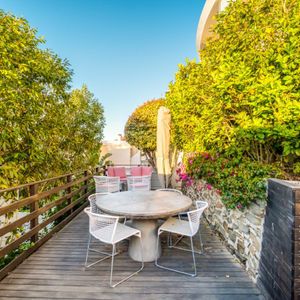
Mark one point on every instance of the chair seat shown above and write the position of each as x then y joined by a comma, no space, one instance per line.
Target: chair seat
177,226
122,232
108,185
138,185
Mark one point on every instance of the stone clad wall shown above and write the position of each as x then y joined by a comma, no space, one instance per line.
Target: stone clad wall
240,229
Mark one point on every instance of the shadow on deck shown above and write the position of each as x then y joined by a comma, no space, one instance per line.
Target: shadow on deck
56,271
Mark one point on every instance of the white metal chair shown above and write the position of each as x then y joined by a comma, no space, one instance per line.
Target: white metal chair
139,183
106,184
170,190
108,230
92,199
187,228
199,204
95,209
169,239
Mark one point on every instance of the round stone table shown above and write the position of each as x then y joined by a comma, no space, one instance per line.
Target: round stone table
144,208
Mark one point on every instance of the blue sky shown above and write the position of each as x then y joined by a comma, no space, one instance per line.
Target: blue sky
126,51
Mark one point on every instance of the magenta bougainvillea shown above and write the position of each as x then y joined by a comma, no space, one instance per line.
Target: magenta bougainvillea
238,182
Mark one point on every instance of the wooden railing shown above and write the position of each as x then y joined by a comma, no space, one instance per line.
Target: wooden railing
33,212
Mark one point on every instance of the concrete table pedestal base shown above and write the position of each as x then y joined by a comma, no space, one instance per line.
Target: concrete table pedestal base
144,208
148,229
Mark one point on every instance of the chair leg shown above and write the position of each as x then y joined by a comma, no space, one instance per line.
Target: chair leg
193,254
201,251
107,255
201,244
112,266
94,250
132,274
87,250
176,241
175,270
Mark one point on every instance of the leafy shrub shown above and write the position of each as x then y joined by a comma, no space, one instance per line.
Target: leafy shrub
44,129
140,128
13,254
242,99
239,182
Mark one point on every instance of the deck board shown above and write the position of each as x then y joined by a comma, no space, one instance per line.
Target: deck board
56,271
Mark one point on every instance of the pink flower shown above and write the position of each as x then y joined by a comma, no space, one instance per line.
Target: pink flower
239,206
190,161
208,186
188,183
184,176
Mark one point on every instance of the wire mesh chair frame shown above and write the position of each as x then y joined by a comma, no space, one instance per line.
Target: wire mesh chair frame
170,190
95,209
199,205
92,199
194,217
107,184
104,228
139,183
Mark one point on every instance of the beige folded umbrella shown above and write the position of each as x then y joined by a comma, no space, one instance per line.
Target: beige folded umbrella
163,146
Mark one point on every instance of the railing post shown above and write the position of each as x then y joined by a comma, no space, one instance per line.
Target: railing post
85,182
69,190
33,189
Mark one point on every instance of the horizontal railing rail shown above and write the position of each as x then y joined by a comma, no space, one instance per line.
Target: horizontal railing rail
33,212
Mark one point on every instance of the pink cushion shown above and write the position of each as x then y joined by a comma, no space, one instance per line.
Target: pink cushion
110,171
120,172
146,171
136,171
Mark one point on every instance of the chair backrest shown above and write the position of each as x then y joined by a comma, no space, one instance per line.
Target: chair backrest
101,226
92,199
170,190
139,183
146,171
120,172
106,184
110,171
136,171
195,215
201,204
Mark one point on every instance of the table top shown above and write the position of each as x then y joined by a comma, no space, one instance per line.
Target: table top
143,204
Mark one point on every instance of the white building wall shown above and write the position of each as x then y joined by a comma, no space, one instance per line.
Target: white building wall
121,153
207,20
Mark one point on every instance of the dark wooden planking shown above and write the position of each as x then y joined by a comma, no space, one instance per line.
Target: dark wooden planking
121,296
55,271
28,252
40,226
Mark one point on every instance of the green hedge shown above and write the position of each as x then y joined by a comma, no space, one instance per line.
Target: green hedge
140,128
239,182
45,130
242,99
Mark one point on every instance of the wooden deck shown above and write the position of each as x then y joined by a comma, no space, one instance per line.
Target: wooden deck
56,271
